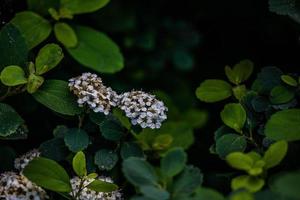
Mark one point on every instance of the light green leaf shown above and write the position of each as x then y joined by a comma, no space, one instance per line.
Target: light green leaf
34,83
76,139
10,120
33,27
102,186
173,162
289,80
213,90
82,6
230,143
65,34
48,174
240,161
284,125
48,57
96,51
79,164
106,159
251,184
240,72
55,94
275,154
234,116
242,195
13,47
139,172
13,75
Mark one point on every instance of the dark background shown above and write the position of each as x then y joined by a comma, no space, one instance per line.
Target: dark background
230,31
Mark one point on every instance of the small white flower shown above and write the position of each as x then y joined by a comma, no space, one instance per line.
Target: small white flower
22,162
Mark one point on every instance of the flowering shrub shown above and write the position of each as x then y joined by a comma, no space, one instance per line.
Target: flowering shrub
81,121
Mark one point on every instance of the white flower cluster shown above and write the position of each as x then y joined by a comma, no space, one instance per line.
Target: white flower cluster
22,162
14,186
142,108
90,91
88,194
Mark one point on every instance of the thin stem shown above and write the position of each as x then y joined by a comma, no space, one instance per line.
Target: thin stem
81,120
81,187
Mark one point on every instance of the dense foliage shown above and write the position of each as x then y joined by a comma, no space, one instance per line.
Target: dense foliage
73,126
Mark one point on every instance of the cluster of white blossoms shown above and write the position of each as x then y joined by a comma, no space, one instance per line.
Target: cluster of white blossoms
15,186
142,108
92,92
22,161
88,194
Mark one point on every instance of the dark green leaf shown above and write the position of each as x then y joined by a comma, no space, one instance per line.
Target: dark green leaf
48,57
10,120
106,159
230,143
111,129
154,192
173,162
13,48
7,158
131,149
208,194
96,51
48,174
102,186
82,6
42,6
76,139
213,90
55,94
33,27
281,95
54,149
139,172
284,125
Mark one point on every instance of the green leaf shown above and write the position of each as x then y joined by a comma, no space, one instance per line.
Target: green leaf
239,91
241,195
287,184
154,192
82,6
96,51
76,139
173,162
42,6
196,118
65,34
187,181
79,164
13,75
208,194
162,142
34,83
13,47
213,90
54,149
102,186
55,94
230,143
240,71
240,161
33,27
10,120
106,159
139,172
48,57
281,95
252,184
122,118
234,116
111,129
131,149
48,174
284,125
289,80
275,154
